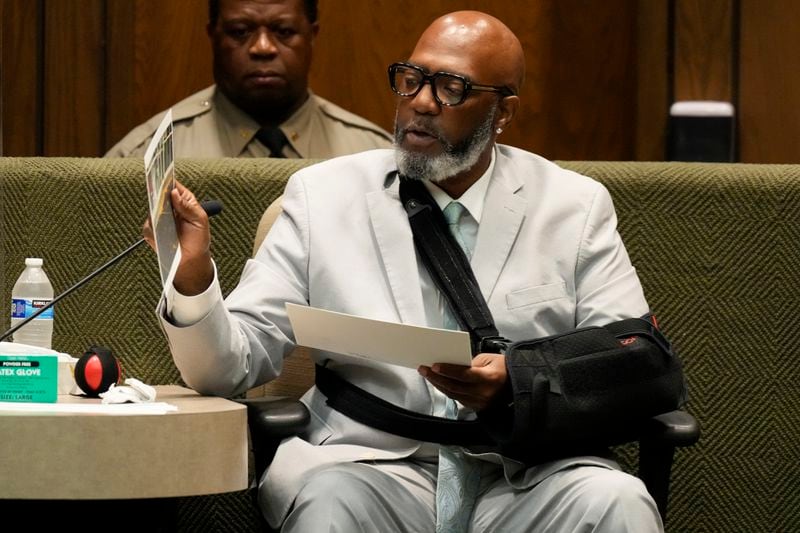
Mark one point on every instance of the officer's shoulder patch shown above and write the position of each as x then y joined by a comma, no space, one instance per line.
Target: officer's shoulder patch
194,105
187,109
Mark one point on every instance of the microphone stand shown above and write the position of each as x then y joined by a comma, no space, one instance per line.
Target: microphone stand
211,207
68,291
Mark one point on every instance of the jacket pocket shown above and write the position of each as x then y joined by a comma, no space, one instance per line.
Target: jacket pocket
536,295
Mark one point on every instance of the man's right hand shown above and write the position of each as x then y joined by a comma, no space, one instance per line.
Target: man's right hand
196,271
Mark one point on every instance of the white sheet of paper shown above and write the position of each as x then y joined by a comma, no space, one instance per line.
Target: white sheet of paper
388,342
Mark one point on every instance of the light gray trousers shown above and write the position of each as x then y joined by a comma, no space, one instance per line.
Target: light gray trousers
400,496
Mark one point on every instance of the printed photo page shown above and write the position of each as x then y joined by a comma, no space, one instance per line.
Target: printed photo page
159,164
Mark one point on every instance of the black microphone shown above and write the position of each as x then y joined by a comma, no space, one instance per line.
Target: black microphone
211,207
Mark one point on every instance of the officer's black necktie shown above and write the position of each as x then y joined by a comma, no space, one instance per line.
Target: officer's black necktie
273,139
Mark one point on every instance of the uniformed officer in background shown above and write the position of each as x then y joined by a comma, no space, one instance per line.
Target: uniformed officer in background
261,105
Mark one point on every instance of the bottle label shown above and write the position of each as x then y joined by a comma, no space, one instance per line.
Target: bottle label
23,308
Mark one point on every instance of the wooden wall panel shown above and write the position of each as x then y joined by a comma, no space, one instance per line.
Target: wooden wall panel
652,80
158,54
703,50
769,86
596,83
121,91
587,81
577,100
20,77
74,59
598,87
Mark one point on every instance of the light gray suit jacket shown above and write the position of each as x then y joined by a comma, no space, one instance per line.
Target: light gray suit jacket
548,259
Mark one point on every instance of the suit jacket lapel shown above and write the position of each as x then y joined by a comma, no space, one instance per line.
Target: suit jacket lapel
396,246
503,213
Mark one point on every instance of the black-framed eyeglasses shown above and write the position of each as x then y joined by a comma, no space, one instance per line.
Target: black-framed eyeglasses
448,89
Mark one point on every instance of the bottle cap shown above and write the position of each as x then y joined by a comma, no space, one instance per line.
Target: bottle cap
34,261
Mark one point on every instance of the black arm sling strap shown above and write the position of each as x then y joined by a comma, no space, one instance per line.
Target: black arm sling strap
450,270
448,265
451,273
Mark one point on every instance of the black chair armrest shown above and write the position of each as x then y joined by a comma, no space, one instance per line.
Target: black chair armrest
658,438
271,420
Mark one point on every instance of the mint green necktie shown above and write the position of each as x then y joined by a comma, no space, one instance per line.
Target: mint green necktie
459,475
452,214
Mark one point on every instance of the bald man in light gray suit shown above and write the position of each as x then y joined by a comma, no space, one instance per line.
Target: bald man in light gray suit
547,257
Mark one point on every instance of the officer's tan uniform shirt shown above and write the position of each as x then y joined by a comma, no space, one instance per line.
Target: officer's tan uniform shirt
207,124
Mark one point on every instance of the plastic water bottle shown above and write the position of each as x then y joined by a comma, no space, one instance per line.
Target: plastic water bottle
32,291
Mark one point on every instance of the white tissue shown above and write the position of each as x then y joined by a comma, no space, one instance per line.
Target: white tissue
66,375
134,391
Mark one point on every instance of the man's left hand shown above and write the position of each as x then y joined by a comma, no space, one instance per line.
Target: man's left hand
474,386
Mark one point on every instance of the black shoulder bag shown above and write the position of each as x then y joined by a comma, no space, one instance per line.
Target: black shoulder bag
574,391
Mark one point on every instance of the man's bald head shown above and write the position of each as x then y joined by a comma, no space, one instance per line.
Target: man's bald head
479,40
446,128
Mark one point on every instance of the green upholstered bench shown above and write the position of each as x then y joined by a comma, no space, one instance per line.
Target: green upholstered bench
717,247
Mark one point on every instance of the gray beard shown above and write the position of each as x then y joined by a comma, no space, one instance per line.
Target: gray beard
454,159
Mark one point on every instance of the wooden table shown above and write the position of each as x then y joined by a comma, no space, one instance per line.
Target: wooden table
199,449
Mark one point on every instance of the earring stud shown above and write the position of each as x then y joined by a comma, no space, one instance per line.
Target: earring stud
499,130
